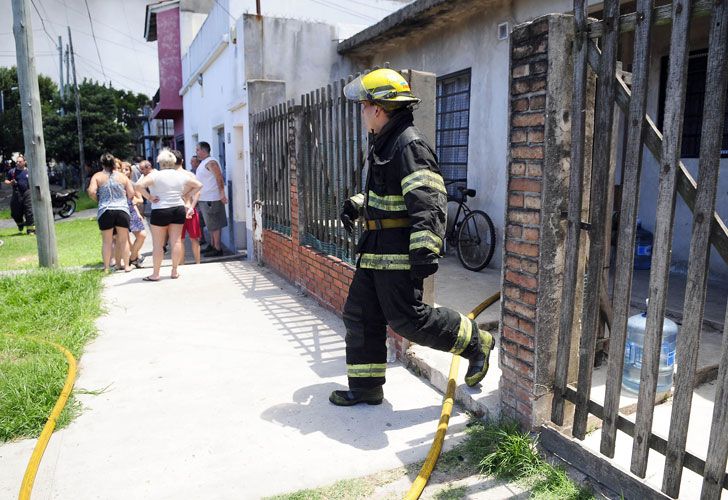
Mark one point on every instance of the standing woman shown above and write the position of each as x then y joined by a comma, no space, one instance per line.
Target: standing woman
136,223
170,192
112,190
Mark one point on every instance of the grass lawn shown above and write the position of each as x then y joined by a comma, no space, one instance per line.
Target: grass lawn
82,203
78,241
56,305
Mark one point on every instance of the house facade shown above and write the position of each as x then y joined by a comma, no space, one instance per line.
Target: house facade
172,24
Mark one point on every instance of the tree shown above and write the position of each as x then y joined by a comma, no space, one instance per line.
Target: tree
11,126
110,119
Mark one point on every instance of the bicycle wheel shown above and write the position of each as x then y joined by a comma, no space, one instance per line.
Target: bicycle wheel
451,229
476,240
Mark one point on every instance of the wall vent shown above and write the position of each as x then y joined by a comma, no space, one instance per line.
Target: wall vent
503,31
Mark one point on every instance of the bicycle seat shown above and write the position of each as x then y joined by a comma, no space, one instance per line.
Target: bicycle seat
466,192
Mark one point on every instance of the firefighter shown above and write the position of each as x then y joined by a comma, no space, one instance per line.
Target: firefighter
404,208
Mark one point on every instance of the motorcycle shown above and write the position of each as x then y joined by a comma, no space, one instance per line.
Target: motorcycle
64,202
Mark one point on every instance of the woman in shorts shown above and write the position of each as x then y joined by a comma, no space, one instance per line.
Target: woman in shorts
136,222
191,227
112,190
170,192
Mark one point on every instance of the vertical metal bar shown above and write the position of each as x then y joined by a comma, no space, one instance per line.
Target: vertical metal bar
660,269
688,342
351,159
597,213
628,215
330,193
336,134
576,175
326,140
342,164
316,98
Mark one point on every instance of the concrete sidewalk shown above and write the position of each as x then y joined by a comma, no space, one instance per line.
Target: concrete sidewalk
215,385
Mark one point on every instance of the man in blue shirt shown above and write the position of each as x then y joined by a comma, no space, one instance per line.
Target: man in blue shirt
21,208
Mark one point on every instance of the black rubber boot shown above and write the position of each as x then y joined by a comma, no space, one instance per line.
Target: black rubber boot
478,357
373,396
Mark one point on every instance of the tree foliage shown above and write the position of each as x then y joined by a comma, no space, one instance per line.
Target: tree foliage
109,117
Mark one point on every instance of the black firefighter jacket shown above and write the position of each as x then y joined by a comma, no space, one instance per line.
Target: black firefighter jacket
403,181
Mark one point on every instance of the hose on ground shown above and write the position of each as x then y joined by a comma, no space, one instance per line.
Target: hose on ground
31,469
418,485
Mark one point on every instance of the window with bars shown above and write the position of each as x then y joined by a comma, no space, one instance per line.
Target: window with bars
694,100
453,118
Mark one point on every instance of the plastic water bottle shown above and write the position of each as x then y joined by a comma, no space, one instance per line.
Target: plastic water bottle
642,248
633,354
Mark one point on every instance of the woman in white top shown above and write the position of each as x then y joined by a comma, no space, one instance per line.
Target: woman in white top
170,192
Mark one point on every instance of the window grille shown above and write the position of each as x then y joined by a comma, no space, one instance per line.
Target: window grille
453,117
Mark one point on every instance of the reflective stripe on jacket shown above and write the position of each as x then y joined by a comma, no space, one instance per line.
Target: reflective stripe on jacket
403,180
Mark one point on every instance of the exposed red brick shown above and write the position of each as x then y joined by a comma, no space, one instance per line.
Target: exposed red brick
518,168
521,71
531,234
515,200
527,152
534,170
519,136
532,202
522,184
520,104
537,103
523,280
524,217
520,309
527,119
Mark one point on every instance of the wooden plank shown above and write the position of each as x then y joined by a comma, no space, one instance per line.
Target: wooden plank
718,443
661,16
686,185
328,167
628,215
308,145
341,179
599,469
597,213
576,176
352,159
688,342
656,443
662,246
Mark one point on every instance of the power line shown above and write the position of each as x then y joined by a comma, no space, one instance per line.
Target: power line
42,22
344,9
91,65
93,34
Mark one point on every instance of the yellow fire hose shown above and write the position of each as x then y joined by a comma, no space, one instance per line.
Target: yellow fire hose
31,470
421,480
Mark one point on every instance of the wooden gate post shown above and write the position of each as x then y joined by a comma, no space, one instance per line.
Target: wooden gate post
538,173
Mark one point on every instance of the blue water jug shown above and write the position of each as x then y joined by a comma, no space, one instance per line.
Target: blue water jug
642,247
633,353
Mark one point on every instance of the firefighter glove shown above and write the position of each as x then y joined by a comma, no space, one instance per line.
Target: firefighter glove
348,215
422,271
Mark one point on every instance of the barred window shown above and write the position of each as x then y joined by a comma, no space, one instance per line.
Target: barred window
453,117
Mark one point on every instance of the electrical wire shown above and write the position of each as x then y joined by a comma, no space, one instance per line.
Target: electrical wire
93,34
42,22
92,66
332,5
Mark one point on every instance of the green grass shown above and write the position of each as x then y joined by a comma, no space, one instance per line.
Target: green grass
56,305
5,213
84,202
510,454
498,450
78,242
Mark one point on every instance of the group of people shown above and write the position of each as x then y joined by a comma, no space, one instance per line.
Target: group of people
175,195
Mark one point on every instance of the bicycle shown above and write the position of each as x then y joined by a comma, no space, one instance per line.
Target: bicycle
473,234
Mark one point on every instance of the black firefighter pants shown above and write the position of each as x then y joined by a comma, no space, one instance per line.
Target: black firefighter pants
377,298
21,208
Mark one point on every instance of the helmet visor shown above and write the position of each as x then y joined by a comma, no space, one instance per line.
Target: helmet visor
355,91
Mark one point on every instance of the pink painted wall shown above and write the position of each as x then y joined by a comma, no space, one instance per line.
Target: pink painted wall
170,62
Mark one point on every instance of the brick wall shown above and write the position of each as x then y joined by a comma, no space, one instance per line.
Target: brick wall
538,164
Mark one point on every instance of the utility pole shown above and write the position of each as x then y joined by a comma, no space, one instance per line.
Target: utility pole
33,135
60,68
78,112
68,70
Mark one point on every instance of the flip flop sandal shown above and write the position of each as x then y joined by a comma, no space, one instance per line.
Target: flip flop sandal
147,278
